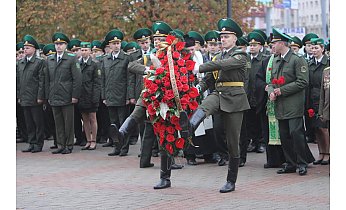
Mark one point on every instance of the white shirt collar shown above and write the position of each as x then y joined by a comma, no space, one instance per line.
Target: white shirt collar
115,55
283,56
29,58
85,60
319,60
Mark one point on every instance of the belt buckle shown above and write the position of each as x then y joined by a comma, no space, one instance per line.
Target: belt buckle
220,84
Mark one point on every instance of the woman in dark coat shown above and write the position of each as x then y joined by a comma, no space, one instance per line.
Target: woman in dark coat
90,95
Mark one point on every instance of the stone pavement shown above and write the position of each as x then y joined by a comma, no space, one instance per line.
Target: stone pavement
92,180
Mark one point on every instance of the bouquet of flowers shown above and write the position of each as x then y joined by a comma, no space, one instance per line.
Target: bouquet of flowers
167,91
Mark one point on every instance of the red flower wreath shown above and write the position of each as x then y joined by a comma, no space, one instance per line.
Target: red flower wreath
159,97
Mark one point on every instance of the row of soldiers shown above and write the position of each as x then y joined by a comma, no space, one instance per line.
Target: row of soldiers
98,75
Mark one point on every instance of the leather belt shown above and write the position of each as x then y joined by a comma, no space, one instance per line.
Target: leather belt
230,84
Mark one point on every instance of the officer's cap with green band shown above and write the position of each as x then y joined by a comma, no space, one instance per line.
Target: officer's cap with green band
256,38
229,26
160,29
317,41
197,36
142,34
296,42
59,37
49,49
85,45
41,46
114,36
74,44
242,41
211,37
20,46
279,36
123,44
131,46
308,37
264,35
96,45
30,41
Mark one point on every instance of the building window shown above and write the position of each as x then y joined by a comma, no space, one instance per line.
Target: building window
311,4
312,18
316,3
316,18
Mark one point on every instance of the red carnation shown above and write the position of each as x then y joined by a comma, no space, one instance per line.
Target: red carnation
159,70
170,130
176,55
169,148
147,83
184,101
274,81
174,120
184,79
169,94
181,62
193,105
160,54
187,56
190,65
170,39
180,45
193,93
177,127
161,140
167,84
281,80
151,109
311,112
170,138
153,88
179,143
158,81
146,94
153,98
192,78
185,87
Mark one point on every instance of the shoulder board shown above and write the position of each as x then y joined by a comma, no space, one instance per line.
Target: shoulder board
327,68
238,52
70,54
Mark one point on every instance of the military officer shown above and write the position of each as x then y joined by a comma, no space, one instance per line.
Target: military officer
229,97
307,45
96,49
288,97
296,44
63,84
31,93
242,43
116,84
263,50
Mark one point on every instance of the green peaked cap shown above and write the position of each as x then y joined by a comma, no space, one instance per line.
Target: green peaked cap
242,41
59,37
85,45
296,42
49,49
114,36
123,44
279,36
229,26
317,41
41,46
264,35
131,45
211,36
96,45
142,34
74,44
20,46
197,36
161,28
255,38
30,41
307,37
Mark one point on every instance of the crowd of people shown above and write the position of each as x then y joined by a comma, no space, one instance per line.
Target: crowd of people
258,93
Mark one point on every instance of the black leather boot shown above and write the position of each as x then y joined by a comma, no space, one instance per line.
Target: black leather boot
189,126
165,172
232,174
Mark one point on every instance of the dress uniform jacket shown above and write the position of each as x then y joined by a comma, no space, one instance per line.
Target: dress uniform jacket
315,78
30,78
295,71
232,68
63,79
116,81
91,85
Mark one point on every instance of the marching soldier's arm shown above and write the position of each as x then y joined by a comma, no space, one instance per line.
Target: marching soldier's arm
206,82
136,67
234,62
76,79
302,78
97,83
41,81
131,82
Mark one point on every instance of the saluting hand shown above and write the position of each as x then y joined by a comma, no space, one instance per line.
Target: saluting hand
74,100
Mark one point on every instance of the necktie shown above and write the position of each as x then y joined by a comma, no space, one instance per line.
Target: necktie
223,54
59,58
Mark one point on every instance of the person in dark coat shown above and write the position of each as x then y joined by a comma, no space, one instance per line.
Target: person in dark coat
90,95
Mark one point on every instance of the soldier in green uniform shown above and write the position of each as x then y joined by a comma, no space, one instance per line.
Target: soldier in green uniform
242,43
307,45
31,94
229,96
291,72
116,84
63,85
296,44
96,49
263,50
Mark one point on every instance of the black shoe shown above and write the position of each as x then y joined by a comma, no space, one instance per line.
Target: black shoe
54,147
266,165
58,151
83,143
302,171
36,149
114,153
176,166
325,162
109,144
191,162
242,163
147,165
85,147
260,149
92,148
251,148
317,162
286,170
29,149
164,183
123,153
66,151
228,187
221,162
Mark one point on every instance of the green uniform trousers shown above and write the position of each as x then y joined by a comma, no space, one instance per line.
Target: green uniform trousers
232,122
64,125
